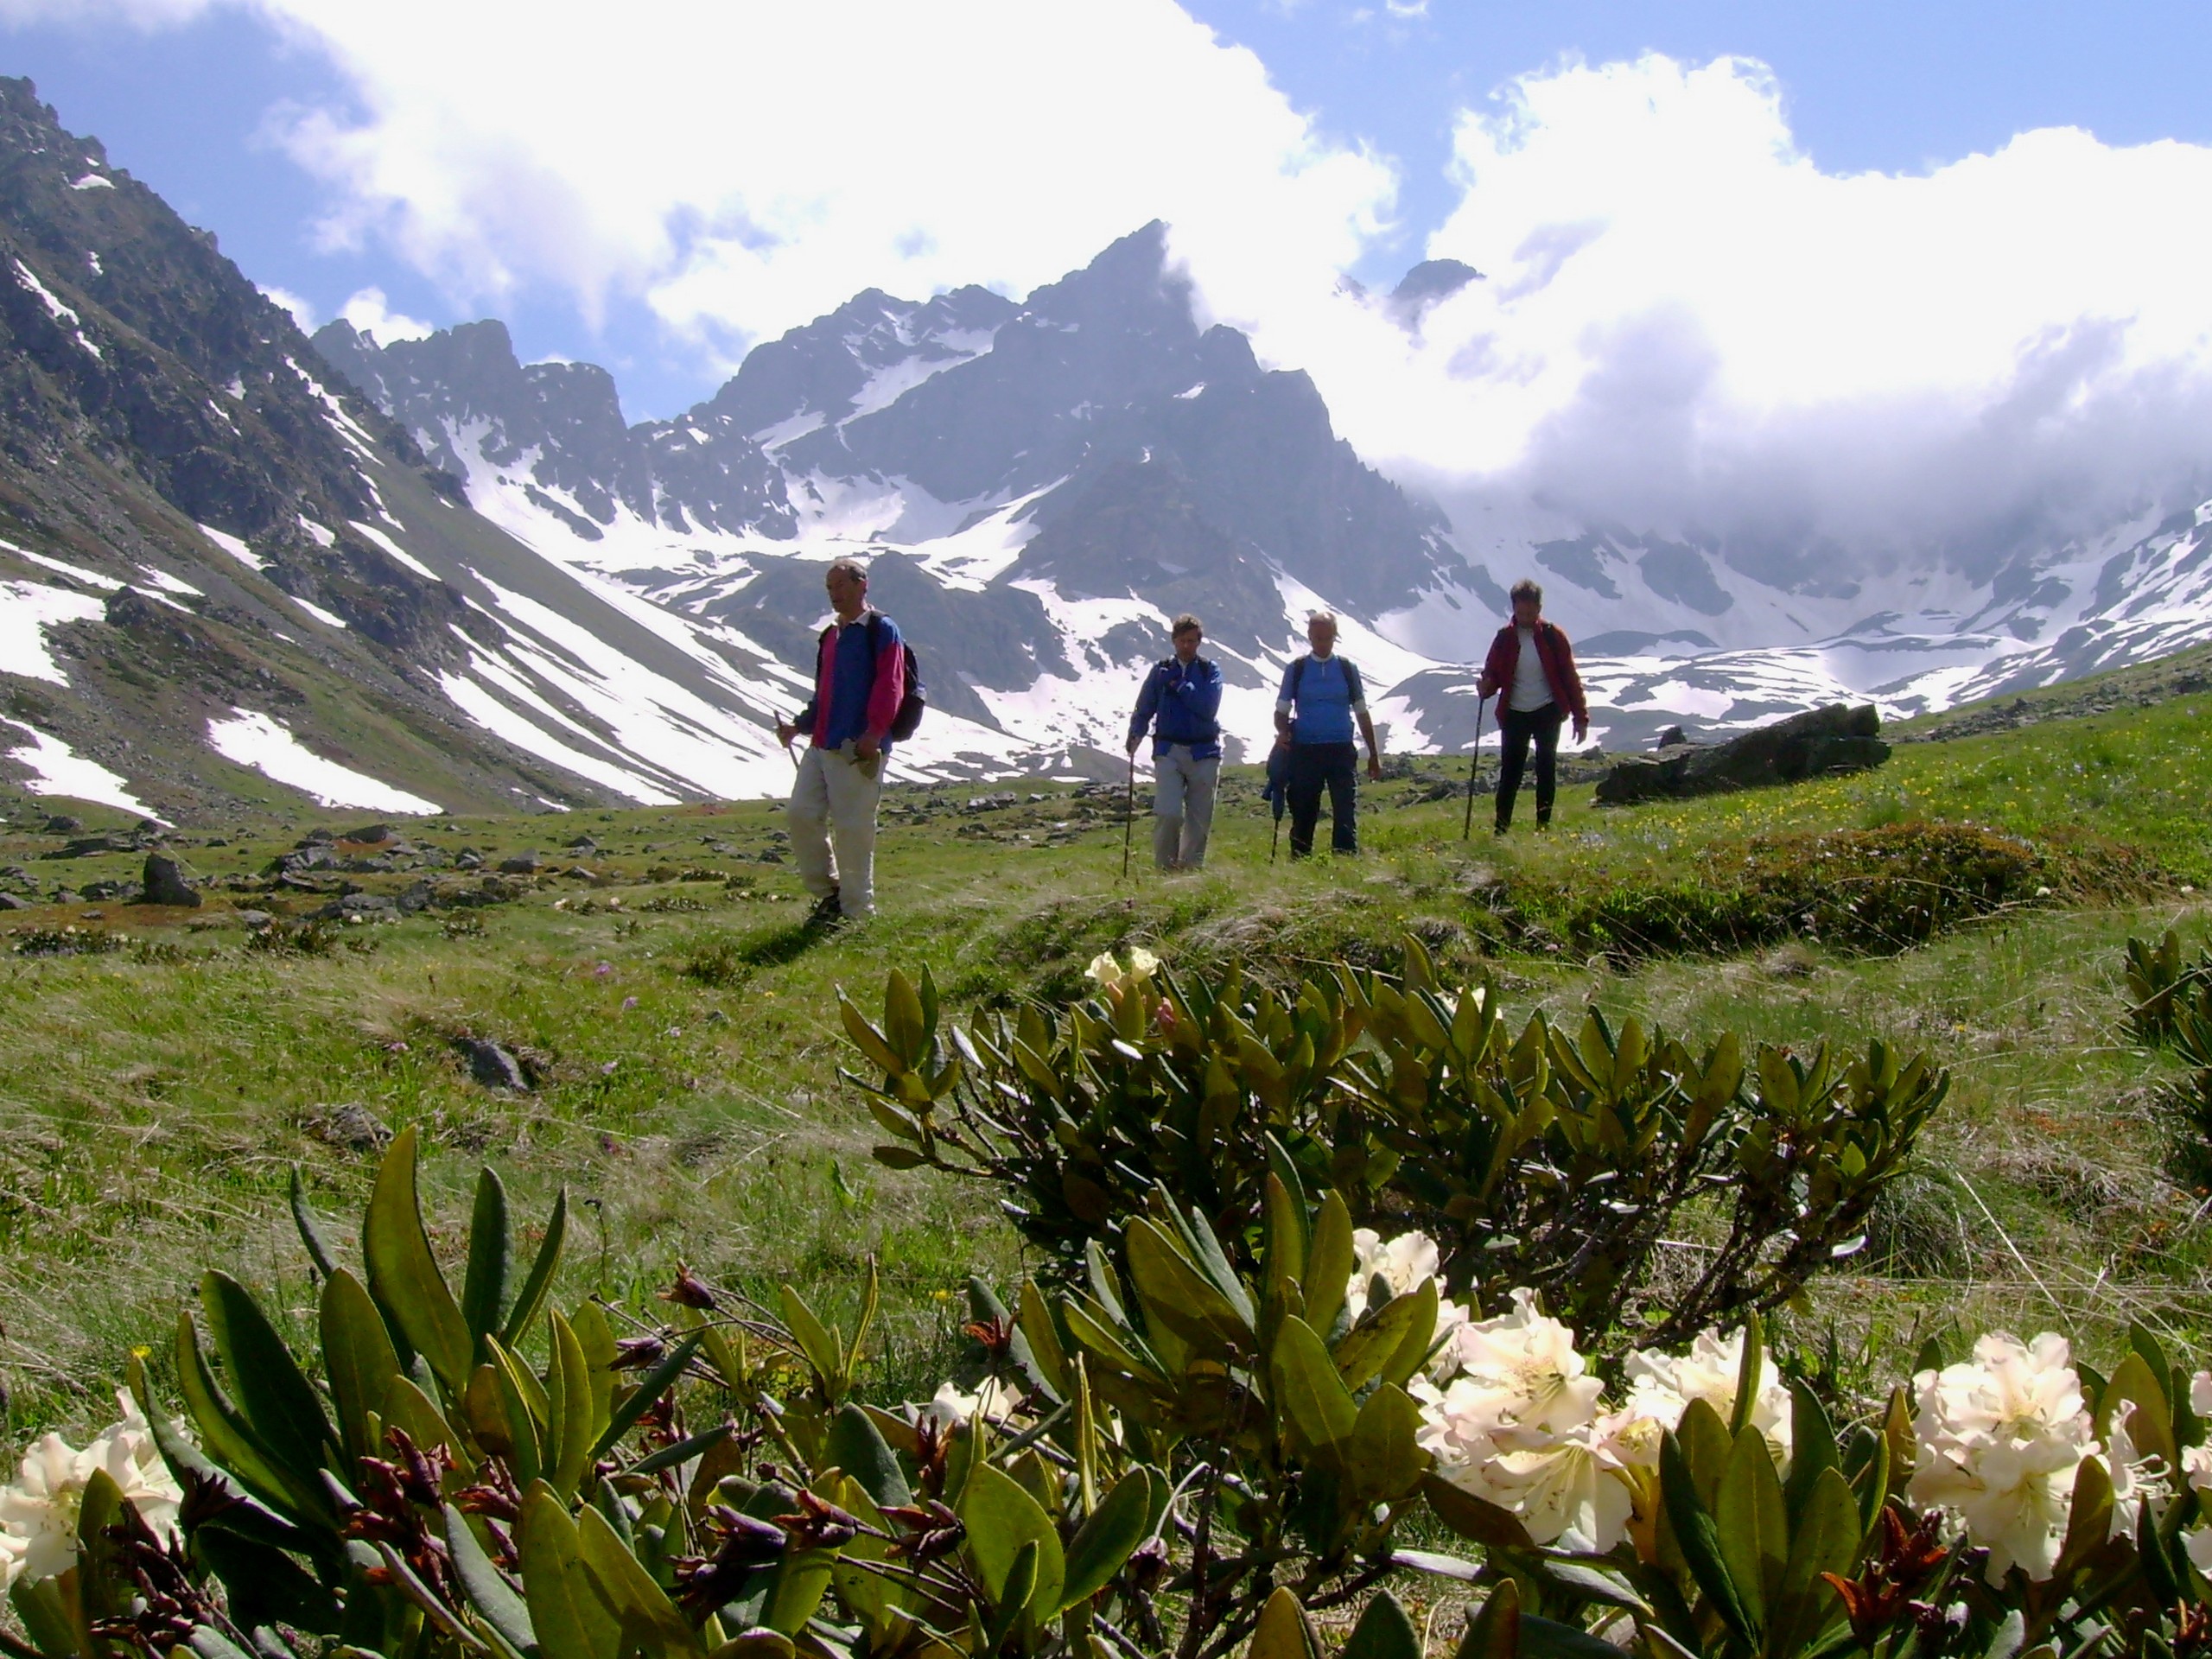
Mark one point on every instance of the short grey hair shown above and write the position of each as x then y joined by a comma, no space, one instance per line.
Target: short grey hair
1322,616
1184,624
850,566
1528,587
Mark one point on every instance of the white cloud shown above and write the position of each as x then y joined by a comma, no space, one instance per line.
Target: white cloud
303,310
744,169
369,313
1687,324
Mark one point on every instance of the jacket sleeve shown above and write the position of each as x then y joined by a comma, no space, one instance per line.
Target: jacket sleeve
1355,687
1148,701
1201,689
888,689
1577,703
1497,672
809,719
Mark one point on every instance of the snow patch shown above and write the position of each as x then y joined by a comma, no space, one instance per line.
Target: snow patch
170,584
92,182
255,740
317,612
323,537
29,609
399,554
55,770
235,547
61,566
60,313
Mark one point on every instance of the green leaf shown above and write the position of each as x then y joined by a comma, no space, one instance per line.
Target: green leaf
1329,1264
1034,1320
542,1265
1473,1518
1380,1344
208,1643
230,1440
266,1381
866,1038
1697,1537
1495,1630
1386,1461
484,1288
1706,1447
1175,1295
358,1357
1383,1632
1107,1538
857,1447
649,1619
1754,1532
487,1588
902,1021
1000,1518
404,1274
101,1585
567,1613
1546,1638
823,1351
1747,1374
1812,1445
573,1428
2148,1425
1824,1538
310,1228
657,1383
1308,1390
45,1617
1013,1599
1284,1632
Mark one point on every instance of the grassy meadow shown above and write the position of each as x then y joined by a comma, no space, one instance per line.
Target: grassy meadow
681,1027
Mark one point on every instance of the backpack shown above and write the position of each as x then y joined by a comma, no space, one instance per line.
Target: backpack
916,701
1298,674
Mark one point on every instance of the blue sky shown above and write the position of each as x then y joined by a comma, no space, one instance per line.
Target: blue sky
1881,277
1902,88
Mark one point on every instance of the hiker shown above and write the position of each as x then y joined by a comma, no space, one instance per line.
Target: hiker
1181,701
859,681
1321,697
1531,667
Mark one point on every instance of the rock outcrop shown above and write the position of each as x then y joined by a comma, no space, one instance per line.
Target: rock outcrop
1814,744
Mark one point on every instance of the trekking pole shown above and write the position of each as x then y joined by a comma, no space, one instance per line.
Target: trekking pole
1474,760
1274,840
1129,815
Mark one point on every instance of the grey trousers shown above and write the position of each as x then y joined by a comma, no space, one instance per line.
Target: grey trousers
834,799
1182,807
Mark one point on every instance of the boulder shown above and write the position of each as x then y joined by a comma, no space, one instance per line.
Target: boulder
9,901
368,835
350,1125
520,864
492,1066
165,884
1817,743
61,823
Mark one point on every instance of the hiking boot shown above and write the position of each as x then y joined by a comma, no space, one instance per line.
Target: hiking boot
828,911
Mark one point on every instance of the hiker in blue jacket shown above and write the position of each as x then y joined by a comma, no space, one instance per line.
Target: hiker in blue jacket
1181,701
1320,699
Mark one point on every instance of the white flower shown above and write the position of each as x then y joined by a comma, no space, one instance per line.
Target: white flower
1111,975
2135,1478
38,1510
994,1401
2002,1437
1403,1265
1577,1489
1662,1386
2200,1393
1523,1371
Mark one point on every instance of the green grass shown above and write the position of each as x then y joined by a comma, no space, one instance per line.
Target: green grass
153,1103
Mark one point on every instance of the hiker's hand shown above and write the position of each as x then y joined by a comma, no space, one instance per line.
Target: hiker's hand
1581,730
785,733
866,747
1373,769
1132,744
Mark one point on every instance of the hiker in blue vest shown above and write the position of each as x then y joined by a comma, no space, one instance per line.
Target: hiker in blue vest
1181,701
860,680
1320,699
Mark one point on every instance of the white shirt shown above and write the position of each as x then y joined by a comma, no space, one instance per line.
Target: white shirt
1531,690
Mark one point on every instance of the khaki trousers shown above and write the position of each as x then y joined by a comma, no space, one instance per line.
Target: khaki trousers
1182,807
834,800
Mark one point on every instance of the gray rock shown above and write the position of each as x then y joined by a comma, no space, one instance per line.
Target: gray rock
350,1125
9,901
520,864
467,859
91,847
165,883
1820,741
1672,738
492,1066
256,920
583,847
62,824
370,834
417,897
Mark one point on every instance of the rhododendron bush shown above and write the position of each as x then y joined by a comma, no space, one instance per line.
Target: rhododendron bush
1547,1159
1203,1436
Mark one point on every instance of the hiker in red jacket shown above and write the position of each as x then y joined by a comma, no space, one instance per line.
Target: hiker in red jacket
1531,669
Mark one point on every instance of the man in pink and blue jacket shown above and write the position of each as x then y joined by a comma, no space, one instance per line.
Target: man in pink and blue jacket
859,679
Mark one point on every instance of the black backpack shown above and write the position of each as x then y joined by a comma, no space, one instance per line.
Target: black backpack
912,706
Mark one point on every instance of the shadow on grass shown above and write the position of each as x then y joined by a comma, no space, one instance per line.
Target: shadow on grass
731,961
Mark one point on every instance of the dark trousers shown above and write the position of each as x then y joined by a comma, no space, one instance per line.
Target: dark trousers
1515,729
1313,765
